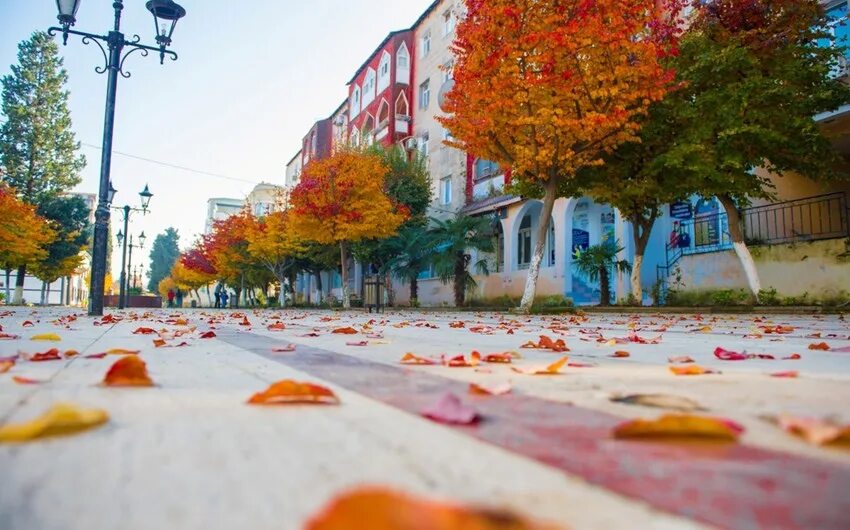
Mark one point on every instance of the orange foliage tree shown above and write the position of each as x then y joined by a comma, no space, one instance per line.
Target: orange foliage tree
24,235
342,200
275,245
227,249
549,87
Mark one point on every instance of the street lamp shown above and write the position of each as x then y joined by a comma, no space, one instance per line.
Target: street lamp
141,245
145,196
166,13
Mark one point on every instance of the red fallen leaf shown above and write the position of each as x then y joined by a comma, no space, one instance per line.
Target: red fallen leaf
5,366
277,326
727,355
633,337
287,348
9,336
289,391
764,356
819,346
96,355
10,358
845,349
481,389
361,343
50,355
27,324
683,359
510,332
504,358
621,354
245,322
410,358
789,374
385,509
450,409
815,431
144,331
779,330
580,365
25,380
208,335
546,343
345,331
792,357
312,334
457,324
128,371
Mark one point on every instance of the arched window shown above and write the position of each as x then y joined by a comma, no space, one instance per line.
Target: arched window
401,107
524,243
383,114
369,87
402,65
355,102
367,132
384,71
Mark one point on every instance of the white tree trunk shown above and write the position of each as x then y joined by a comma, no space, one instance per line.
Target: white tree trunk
637,289
542,233
749,265
346,302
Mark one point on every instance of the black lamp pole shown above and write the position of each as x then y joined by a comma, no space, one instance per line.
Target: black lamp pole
165,12
141,245
122,240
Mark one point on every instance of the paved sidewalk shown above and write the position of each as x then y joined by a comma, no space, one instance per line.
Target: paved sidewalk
190,453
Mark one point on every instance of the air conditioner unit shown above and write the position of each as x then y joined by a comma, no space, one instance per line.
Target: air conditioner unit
411,144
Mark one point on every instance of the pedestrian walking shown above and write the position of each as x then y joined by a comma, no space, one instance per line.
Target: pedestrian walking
224,298
217,296
179,296
170,298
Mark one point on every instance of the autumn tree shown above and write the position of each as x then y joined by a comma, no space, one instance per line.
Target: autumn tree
272,243
38,150
24,235
227,249
197,264
188,279
548,87
69,217
754,74
342,200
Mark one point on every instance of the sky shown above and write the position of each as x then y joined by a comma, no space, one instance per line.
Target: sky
252,78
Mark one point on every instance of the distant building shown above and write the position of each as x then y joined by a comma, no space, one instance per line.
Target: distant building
293,171
264,199
219,209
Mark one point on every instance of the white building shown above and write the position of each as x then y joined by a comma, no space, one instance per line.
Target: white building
221,208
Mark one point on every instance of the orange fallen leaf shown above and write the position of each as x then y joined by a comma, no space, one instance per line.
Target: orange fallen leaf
552,369
71,353
457,324
5,366
345,331
245,322
621,354
788,374
385,509
692,369
819,346
289,391
410,358
815,431
25,380
680,426
49,355
482,389
128,371
793,357
144,331
159,343
61,419
503,358
277,326
287,348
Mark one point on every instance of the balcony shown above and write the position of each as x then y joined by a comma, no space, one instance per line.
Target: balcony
402,124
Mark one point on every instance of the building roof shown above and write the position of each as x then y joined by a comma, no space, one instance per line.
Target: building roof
375,52
424,15
291,160
489,204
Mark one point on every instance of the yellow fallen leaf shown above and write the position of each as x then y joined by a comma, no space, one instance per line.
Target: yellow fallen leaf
680,426
46,336
61,419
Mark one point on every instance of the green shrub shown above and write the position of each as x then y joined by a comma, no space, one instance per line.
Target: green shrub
769,297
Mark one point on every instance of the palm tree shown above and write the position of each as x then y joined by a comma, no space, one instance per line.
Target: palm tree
596,264
453,240
411,252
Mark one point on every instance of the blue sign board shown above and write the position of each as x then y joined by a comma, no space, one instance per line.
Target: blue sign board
681,210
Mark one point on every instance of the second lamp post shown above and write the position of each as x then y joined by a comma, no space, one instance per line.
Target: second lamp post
145,195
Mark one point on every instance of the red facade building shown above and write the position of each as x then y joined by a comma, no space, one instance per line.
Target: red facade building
380,95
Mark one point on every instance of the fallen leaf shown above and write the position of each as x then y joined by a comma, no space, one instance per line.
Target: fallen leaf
450,409
71,353
277,326
621,354
25,380
121,351
680,426
845,349
410,358
482,389
788,374
691,369
728,355
815,431
282,349
384,509
5,366
9,336
96,356
46,336
792,357
289,391
345,331
459,361
683,359
159,343
49,355
245,322
61,419
663,401
819,346
457,324
27,324
360,343
128,371
503,358
144,331
552,369
208,335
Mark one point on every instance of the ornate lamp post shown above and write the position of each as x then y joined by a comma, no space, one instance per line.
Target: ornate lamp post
122,240
166,13
141,245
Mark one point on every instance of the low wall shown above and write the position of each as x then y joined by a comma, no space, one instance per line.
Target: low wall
135,301
818,268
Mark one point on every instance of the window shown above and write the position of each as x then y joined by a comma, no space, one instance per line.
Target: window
425,45
524,243
402,65
448,23
401,105
425,94
384,72
355,102
369,87
447,135
485,169
446,191
447,71
423,144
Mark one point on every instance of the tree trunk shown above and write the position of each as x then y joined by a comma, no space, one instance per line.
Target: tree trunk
47,295
43,290
604,287
209,296
8,290
346,303
414,291
237,297
537,257
740,246
641,230
19,285
319,288
460,279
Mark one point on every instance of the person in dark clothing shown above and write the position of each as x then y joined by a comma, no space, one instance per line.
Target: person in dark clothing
170,297
224,298
179,297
